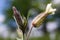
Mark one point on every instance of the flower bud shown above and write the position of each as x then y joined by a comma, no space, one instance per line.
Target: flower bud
20,34
17,17
39,19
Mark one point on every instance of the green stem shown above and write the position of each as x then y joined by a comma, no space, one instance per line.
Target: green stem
28,35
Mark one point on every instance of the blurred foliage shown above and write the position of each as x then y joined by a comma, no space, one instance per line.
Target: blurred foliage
57,15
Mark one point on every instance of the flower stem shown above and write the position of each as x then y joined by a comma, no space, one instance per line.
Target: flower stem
28,35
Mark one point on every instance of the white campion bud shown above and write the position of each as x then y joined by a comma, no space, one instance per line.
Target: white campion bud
39,19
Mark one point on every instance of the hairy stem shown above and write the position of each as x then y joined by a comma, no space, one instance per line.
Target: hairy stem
28,35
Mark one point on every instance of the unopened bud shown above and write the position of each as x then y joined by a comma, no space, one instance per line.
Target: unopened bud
17,17
20,34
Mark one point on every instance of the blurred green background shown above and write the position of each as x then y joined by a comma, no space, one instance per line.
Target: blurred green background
50,29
